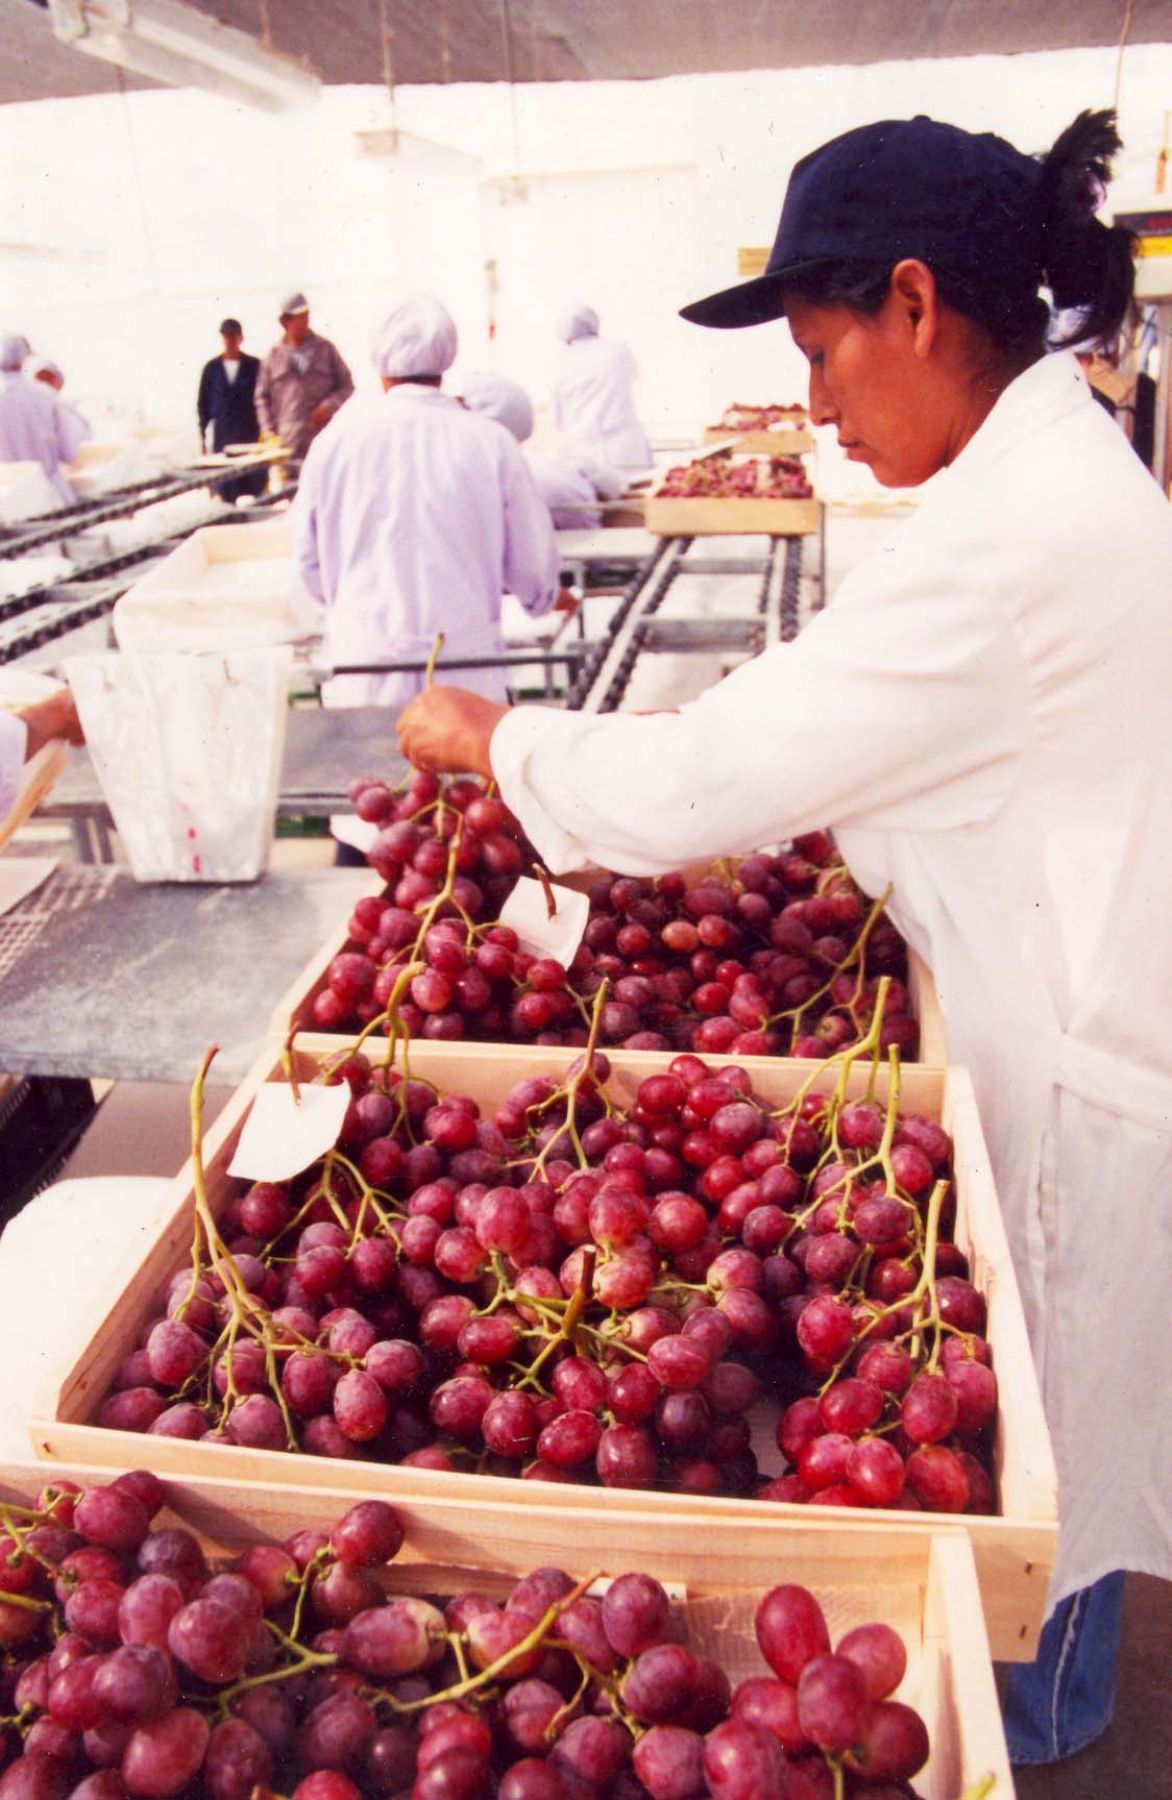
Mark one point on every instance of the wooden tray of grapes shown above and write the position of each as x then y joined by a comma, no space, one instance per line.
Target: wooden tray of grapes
1014,1545
786,440
713,1601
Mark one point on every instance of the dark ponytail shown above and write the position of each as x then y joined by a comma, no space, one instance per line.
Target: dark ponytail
1087,265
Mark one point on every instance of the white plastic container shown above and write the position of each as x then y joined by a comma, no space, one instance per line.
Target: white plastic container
225,587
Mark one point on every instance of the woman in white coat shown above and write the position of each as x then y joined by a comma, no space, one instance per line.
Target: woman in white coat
593,395
572,483
982,716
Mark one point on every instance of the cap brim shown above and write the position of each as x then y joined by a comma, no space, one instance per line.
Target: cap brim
749,303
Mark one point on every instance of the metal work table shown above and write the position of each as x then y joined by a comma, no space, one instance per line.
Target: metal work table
325,750
103,976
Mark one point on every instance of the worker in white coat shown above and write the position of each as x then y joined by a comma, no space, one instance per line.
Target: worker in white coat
413,517
571,483
593,394
982,717
34,425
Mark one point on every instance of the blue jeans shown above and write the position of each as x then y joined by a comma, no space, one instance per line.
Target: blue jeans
1058,1704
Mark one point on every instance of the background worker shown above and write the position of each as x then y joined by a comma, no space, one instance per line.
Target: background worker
303,380
571,483
47,372
227,403
414,516
35,426
593,394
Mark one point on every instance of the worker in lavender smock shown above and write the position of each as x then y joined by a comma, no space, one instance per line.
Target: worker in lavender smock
413,517
571,483
34,425
48,373
593,395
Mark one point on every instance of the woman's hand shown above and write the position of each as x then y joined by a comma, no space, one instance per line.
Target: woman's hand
448,729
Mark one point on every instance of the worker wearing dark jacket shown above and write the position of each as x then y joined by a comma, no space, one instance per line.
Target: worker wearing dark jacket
227,402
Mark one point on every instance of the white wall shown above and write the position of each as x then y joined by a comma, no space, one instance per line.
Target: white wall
129,225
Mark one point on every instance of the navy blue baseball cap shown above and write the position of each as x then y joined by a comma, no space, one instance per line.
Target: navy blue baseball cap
903,187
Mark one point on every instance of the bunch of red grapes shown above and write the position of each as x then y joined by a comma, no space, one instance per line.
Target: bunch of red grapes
573,1292
133,1670
753,477
780,955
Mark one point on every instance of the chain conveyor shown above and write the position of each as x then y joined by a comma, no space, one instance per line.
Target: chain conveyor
27,535
636,630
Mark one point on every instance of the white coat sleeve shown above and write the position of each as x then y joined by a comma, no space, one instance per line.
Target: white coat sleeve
532,566
904,704
305,528
13,737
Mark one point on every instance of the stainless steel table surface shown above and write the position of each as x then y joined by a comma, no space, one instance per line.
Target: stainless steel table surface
104,976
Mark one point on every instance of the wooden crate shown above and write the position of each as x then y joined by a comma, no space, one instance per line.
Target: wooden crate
926,1590
785,440
671,515
1014,1551
293,1010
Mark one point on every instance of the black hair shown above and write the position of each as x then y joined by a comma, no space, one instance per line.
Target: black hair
1086,265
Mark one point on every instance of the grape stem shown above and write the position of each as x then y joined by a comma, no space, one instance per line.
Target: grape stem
486,1676
579,1301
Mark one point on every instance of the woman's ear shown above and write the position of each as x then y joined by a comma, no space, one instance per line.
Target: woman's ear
913,294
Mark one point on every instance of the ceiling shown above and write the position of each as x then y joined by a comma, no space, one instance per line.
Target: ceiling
595,40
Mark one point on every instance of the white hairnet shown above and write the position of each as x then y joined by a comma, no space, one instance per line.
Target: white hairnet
501,399
579,322
42,365
13,349
414,337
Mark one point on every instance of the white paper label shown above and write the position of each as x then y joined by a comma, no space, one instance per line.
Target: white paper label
282,1136
526,911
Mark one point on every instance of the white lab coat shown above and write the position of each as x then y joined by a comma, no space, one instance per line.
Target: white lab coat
413,517
593,402
982,716
37,427
13,736
571,486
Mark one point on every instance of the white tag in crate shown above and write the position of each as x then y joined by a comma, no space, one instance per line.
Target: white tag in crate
526,911
282,1136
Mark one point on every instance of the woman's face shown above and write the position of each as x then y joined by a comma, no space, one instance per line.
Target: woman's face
867,380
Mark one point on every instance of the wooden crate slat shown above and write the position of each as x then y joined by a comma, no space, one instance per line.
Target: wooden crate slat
674,515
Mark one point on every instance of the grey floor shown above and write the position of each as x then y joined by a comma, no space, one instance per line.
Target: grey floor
1133,1758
